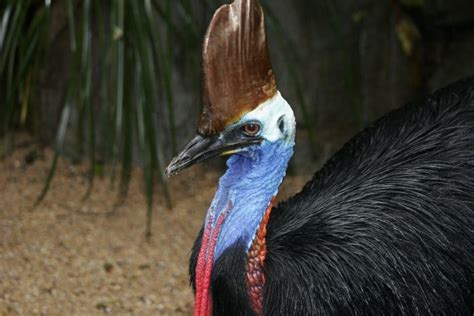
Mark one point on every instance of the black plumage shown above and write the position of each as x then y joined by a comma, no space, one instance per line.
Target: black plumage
386,227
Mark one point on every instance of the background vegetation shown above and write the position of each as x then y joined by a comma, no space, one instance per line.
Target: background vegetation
117,82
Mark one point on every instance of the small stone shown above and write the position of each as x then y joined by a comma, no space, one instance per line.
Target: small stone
108,267
144,266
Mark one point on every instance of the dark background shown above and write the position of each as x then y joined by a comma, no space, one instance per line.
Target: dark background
353,61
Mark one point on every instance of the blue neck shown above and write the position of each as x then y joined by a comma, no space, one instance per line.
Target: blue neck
246,189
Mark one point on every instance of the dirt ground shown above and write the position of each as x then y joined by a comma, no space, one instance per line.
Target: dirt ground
68,257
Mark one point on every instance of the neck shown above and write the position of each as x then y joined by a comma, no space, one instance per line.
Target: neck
245,191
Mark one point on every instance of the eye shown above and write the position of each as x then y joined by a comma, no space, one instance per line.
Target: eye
281,124
251,129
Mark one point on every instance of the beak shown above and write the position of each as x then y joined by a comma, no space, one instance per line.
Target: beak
201,148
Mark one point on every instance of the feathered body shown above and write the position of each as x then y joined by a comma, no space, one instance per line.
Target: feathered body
386,227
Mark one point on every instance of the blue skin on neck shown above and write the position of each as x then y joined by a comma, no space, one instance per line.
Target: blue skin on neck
250,182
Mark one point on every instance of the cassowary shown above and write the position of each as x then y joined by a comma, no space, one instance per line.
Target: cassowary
386,227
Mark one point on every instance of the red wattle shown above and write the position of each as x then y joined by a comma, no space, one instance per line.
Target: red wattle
255,268
203,304
201,265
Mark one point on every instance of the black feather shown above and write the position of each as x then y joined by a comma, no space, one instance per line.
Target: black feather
386,227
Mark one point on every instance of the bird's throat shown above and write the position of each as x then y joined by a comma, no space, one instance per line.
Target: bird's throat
239,214
254,268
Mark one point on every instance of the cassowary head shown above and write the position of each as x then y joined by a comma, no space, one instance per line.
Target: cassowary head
241,106
243,114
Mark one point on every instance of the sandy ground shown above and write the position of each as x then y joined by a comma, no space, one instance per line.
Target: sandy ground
68,257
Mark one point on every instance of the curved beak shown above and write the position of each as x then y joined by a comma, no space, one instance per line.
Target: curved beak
201,148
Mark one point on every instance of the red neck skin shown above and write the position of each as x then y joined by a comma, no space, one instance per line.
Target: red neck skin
203,300
254,269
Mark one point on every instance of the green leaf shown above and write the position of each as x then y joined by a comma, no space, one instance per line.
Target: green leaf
72,25
60,139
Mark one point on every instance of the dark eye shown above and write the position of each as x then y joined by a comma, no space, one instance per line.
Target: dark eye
251,129
281,124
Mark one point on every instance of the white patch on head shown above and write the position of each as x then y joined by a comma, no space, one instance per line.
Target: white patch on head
269,115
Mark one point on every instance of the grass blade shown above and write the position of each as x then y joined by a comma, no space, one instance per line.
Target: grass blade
13,35
86,66
119,64
72,25
60,138
3,26
146,81
145,149
127,132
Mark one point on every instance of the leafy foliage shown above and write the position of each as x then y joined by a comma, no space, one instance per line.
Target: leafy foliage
23,49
